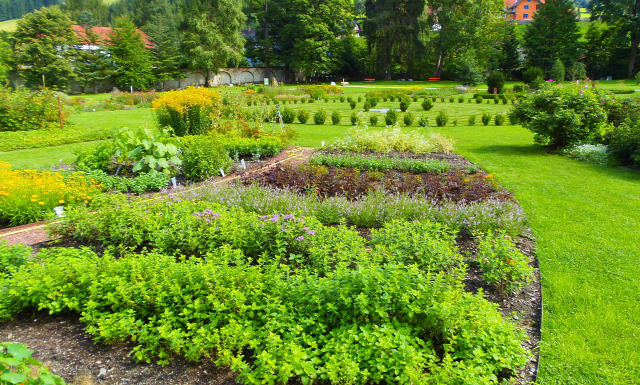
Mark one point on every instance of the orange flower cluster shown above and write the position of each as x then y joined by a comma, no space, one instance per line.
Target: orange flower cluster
28,195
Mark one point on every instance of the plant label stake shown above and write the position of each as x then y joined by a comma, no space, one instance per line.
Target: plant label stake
222,173
243,164
59,210
323,143
280,117
174,182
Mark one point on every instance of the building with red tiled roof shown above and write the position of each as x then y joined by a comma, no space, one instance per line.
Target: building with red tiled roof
103,35
522,11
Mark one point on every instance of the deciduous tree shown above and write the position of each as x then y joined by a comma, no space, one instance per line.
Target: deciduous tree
626,12
43,48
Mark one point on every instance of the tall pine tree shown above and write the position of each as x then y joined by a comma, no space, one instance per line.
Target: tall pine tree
134,63
553,34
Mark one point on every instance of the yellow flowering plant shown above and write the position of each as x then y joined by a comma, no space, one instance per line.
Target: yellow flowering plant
27,195
189,112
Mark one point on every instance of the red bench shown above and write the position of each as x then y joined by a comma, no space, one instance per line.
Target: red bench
369,80
434,79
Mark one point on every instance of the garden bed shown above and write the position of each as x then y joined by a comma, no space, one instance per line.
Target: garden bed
212,220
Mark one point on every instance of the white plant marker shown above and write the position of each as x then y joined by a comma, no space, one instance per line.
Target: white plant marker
174,182
59,210
222,172
243,164
323,143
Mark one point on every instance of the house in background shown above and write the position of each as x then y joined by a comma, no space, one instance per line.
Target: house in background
103,37
522,11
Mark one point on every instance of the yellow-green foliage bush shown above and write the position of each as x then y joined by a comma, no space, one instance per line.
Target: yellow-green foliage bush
189,112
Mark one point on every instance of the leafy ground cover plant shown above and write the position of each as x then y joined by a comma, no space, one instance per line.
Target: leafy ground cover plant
377,163
503,265
47,137
153,181
12,257
16,367
251,317
392,139
133,151
203,157
592,153
28,196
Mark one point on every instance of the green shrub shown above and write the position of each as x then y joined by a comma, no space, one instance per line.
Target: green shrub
451,99
392,98
499,119
562,116
373,119
359,99
442,119
408,119
532,76
423,121
335,118
486,118
502,264
288,115
415,98
404,105
349,99
621,110
373,102
22,110
355,119
557,71
472,119
624,142
460,99
496,80
303,116
637,78
391,117
12,257
303,100
320,116
367,106
478,99
203,157
518,88
434,98
342,99
427,104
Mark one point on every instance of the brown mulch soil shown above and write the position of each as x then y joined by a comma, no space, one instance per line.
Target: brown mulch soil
60,342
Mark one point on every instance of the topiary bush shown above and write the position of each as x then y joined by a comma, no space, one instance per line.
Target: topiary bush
472,119
352,104
408,119
478,99
391,117
303,116
427,104
499,119
373,119
335,118
442,119
404,105
560,117
423,121
288,115
355,119
486,118
320,116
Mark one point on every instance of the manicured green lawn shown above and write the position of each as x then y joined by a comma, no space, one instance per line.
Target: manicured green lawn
42,158
107,120
586,220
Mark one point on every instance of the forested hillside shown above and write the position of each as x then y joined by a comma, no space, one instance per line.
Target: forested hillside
14,9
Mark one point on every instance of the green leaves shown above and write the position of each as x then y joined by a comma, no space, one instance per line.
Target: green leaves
14,367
